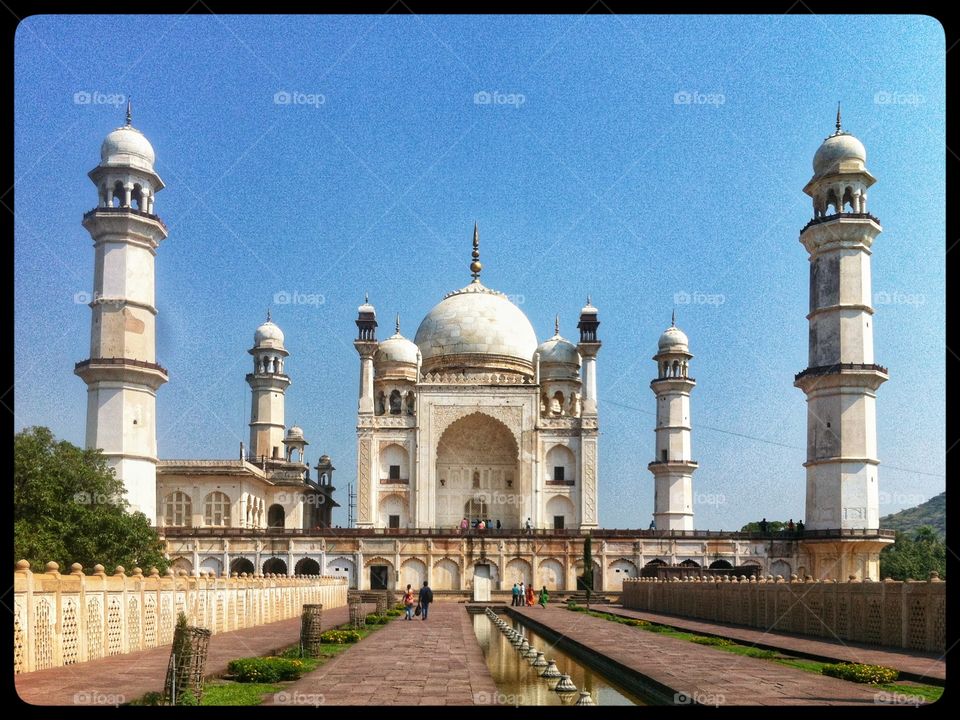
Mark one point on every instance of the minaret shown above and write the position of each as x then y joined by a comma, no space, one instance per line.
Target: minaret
589,346
673,467
268,383
366,345
122,374
842,378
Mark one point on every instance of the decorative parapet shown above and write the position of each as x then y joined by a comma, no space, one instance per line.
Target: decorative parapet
908,615
67,619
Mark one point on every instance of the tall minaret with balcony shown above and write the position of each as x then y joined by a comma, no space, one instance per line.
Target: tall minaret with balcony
268,384
122,374
366,345
842,378
673,468
589,347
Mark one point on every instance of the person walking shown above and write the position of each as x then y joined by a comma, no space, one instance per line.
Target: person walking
522,597
516,596
426,597
498,523
530,599
529,527
464,524
544,597
408,602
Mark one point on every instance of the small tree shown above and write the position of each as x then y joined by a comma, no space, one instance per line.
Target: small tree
587,568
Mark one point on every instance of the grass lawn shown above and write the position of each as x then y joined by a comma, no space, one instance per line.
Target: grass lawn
221,692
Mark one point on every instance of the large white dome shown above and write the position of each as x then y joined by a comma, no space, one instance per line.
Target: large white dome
126,146
476,328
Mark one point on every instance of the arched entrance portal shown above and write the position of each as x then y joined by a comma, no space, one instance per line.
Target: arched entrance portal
478,472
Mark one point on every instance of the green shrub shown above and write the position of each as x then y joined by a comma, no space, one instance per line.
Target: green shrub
266,669
187,699
576,608
705,640
394,613
634,622
374,619
759,653
861,673
340,637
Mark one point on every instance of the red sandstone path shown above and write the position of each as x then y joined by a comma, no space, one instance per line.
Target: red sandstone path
914,665
134,674
437,662
707,675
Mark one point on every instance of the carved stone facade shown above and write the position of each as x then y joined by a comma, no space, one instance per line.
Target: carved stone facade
475,421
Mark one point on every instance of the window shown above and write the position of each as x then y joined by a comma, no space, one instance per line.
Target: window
558,522
663,455
394,521
558,473
177,510
216,510
394,472
476,479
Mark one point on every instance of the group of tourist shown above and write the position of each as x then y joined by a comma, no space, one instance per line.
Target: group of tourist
488,524
524,595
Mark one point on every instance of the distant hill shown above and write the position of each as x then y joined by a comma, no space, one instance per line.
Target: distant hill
933,512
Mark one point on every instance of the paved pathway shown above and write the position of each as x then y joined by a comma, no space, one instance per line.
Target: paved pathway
705,674
919,666
122,678
437,662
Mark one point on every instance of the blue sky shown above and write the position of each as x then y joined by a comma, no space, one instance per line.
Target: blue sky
587,172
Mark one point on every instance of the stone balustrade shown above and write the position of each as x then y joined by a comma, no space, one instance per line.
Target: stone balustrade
66,619
909,615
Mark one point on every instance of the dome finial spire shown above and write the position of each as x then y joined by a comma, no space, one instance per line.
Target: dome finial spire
673,318
366,298
398,323
268,315
556,325
129,111
475,266
839,129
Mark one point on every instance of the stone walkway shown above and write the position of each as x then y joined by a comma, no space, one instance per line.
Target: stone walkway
122,678
437,662
702,674
918,666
